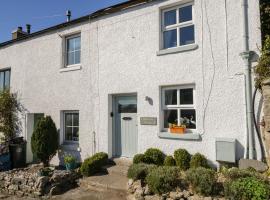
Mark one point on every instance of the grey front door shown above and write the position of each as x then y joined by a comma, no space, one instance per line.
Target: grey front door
126,131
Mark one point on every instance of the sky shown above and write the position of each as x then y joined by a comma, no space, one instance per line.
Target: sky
43,13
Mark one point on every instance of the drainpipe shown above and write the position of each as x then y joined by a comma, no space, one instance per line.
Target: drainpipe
246,54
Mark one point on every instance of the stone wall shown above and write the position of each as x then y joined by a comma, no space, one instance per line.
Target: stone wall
27,182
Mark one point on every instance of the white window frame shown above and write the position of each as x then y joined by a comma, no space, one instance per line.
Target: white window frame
64,125
178,25
178,107
66,50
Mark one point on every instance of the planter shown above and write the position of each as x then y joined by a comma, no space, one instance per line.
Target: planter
18,154
70,166
178,130
5,164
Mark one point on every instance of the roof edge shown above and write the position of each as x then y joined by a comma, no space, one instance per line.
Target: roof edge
99,13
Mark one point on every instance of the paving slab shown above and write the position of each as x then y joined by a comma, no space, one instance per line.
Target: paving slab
108,181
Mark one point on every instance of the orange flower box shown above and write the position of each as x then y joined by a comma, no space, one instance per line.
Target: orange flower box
178,130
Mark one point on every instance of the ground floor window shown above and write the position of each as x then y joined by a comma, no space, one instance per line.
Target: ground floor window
4,79
71,126
178,106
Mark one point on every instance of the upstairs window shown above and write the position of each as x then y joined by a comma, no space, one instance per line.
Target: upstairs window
73,50
4,79
178,26
178,106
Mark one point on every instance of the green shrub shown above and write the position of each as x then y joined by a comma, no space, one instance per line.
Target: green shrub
10,110
44,141
202,180
94,164
248,188
138,158
69,159
139,171
235,173
154,156
169,161
182,158
162,179
198,160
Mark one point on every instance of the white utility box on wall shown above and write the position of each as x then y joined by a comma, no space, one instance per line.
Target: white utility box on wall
226,150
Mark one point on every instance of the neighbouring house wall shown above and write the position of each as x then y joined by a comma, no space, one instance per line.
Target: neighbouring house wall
119,56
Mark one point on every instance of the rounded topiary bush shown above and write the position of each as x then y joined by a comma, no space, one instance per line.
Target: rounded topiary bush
198,160
249,188
44,141
162,179
94,164
182,158
139,171
138,158
202,180
154,156
169,161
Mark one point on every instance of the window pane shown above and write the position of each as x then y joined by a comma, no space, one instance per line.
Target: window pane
127,108
68,134
70,44
68,119
77,57
7,79
186,96
171,97
188,117
187,35
170,116
170,39
1,80
75,119
170,18
77,43
75,134
185,14
71,58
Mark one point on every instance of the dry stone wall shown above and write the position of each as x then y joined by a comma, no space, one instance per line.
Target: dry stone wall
24,182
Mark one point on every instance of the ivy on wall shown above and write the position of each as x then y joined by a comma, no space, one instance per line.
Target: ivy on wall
262,70
265,18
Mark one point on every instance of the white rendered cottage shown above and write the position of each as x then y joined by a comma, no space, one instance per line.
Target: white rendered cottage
114,80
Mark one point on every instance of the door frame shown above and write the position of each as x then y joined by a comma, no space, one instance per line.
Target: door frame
114,121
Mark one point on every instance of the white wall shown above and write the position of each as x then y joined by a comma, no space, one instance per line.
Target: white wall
119,56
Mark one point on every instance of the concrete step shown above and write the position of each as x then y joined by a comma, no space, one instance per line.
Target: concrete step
121,161
101,182
116,169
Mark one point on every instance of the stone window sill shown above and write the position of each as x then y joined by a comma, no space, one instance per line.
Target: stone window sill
71,68
186,136
177,49
70,147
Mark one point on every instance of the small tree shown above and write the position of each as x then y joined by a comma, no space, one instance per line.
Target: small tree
10,108
44,141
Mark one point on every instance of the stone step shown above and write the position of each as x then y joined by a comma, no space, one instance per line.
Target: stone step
121,161
105,182
116,169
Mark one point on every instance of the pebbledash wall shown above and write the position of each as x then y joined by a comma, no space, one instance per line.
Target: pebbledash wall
120,55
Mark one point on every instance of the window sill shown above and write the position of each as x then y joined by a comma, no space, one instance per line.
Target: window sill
177,49
186,136
71,68
70,146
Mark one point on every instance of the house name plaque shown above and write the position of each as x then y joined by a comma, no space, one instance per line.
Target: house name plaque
148,121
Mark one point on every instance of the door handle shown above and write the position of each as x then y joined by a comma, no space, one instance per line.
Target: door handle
127,118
